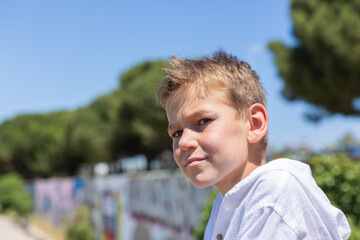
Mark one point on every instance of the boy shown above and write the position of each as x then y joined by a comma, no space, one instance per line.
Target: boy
218,124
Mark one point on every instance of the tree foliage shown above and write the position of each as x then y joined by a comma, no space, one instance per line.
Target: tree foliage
125,122
42,145
86,140
141,123
323,67
32,144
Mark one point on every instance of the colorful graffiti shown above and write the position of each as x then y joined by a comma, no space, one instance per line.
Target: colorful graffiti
171,202
56,198
156,205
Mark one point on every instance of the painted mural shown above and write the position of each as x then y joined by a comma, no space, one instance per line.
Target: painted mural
158,205
56,198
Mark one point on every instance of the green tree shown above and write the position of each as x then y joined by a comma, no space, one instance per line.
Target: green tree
142,123
43,145
323,66
32,144
86,141
125,122
89,132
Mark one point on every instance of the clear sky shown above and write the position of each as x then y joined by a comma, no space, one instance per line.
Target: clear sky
57,55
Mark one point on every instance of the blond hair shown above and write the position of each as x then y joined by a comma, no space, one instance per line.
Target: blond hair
221,71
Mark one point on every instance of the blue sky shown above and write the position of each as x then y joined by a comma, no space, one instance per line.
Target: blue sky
57,55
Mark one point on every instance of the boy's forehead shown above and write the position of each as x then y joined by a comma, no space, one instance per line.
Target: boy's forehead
187,96
181,96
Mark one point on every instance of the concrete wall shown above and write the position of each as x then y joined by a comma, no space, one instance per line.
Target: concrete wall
155,205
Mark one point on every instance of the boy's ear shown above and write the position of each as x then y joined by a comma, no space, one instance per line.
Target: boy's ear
258,119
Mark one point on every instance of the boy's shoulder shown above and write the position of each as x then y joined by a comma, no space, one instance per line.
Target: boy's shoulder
280,183
286,186
280,176
283,188
273,178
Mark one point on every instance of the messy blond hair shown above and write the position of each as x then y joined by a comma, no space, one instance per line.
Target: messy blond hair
221,71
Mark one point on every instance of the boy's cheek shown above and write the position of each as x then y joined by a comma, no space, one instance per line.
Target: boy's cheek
177,161
176,155
175,145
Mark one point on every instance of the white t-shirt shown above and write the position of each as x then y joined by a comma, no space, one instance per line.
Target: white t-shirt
279,200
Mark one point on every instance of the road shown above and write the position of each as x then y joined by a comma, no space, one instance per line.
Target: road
9,230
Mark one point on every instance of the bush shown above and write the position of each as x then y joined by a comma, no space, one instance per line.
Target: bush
338,176
79,226
355,229
13,197
205,215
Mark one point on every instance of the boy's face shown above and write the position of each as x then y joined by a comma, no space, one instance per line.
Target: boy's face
209,138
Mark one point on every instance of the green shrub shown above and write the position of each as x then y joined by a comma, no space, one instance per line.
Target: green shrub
205,215
79,226
338,176
13,197
355,229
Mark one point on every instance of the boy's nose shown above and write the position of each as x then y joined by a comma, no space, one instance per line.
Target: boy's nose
187,140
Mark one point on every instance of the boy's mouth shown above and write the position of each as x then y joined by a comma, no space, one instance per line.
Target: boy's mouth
193,161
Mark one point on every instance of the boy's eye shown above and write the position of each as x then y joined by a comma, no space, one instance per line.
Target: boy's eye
204,121
177,133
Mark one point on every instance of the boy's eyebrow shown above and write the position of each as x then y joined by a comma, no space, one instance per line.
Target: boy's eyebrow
196,114
170,127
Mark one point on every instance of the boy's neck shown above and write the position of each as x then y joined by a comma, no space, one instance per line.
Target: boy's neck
255,160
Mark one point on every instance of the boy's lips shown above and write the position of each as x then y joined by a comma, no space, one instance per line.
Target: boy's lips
192,160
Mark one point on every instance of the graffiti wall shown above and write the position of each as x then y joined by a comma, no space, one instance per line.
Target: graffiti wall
157,205
55,198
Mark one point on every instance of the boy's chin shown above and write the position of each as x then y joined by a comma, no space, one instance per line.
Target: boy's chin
201,184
